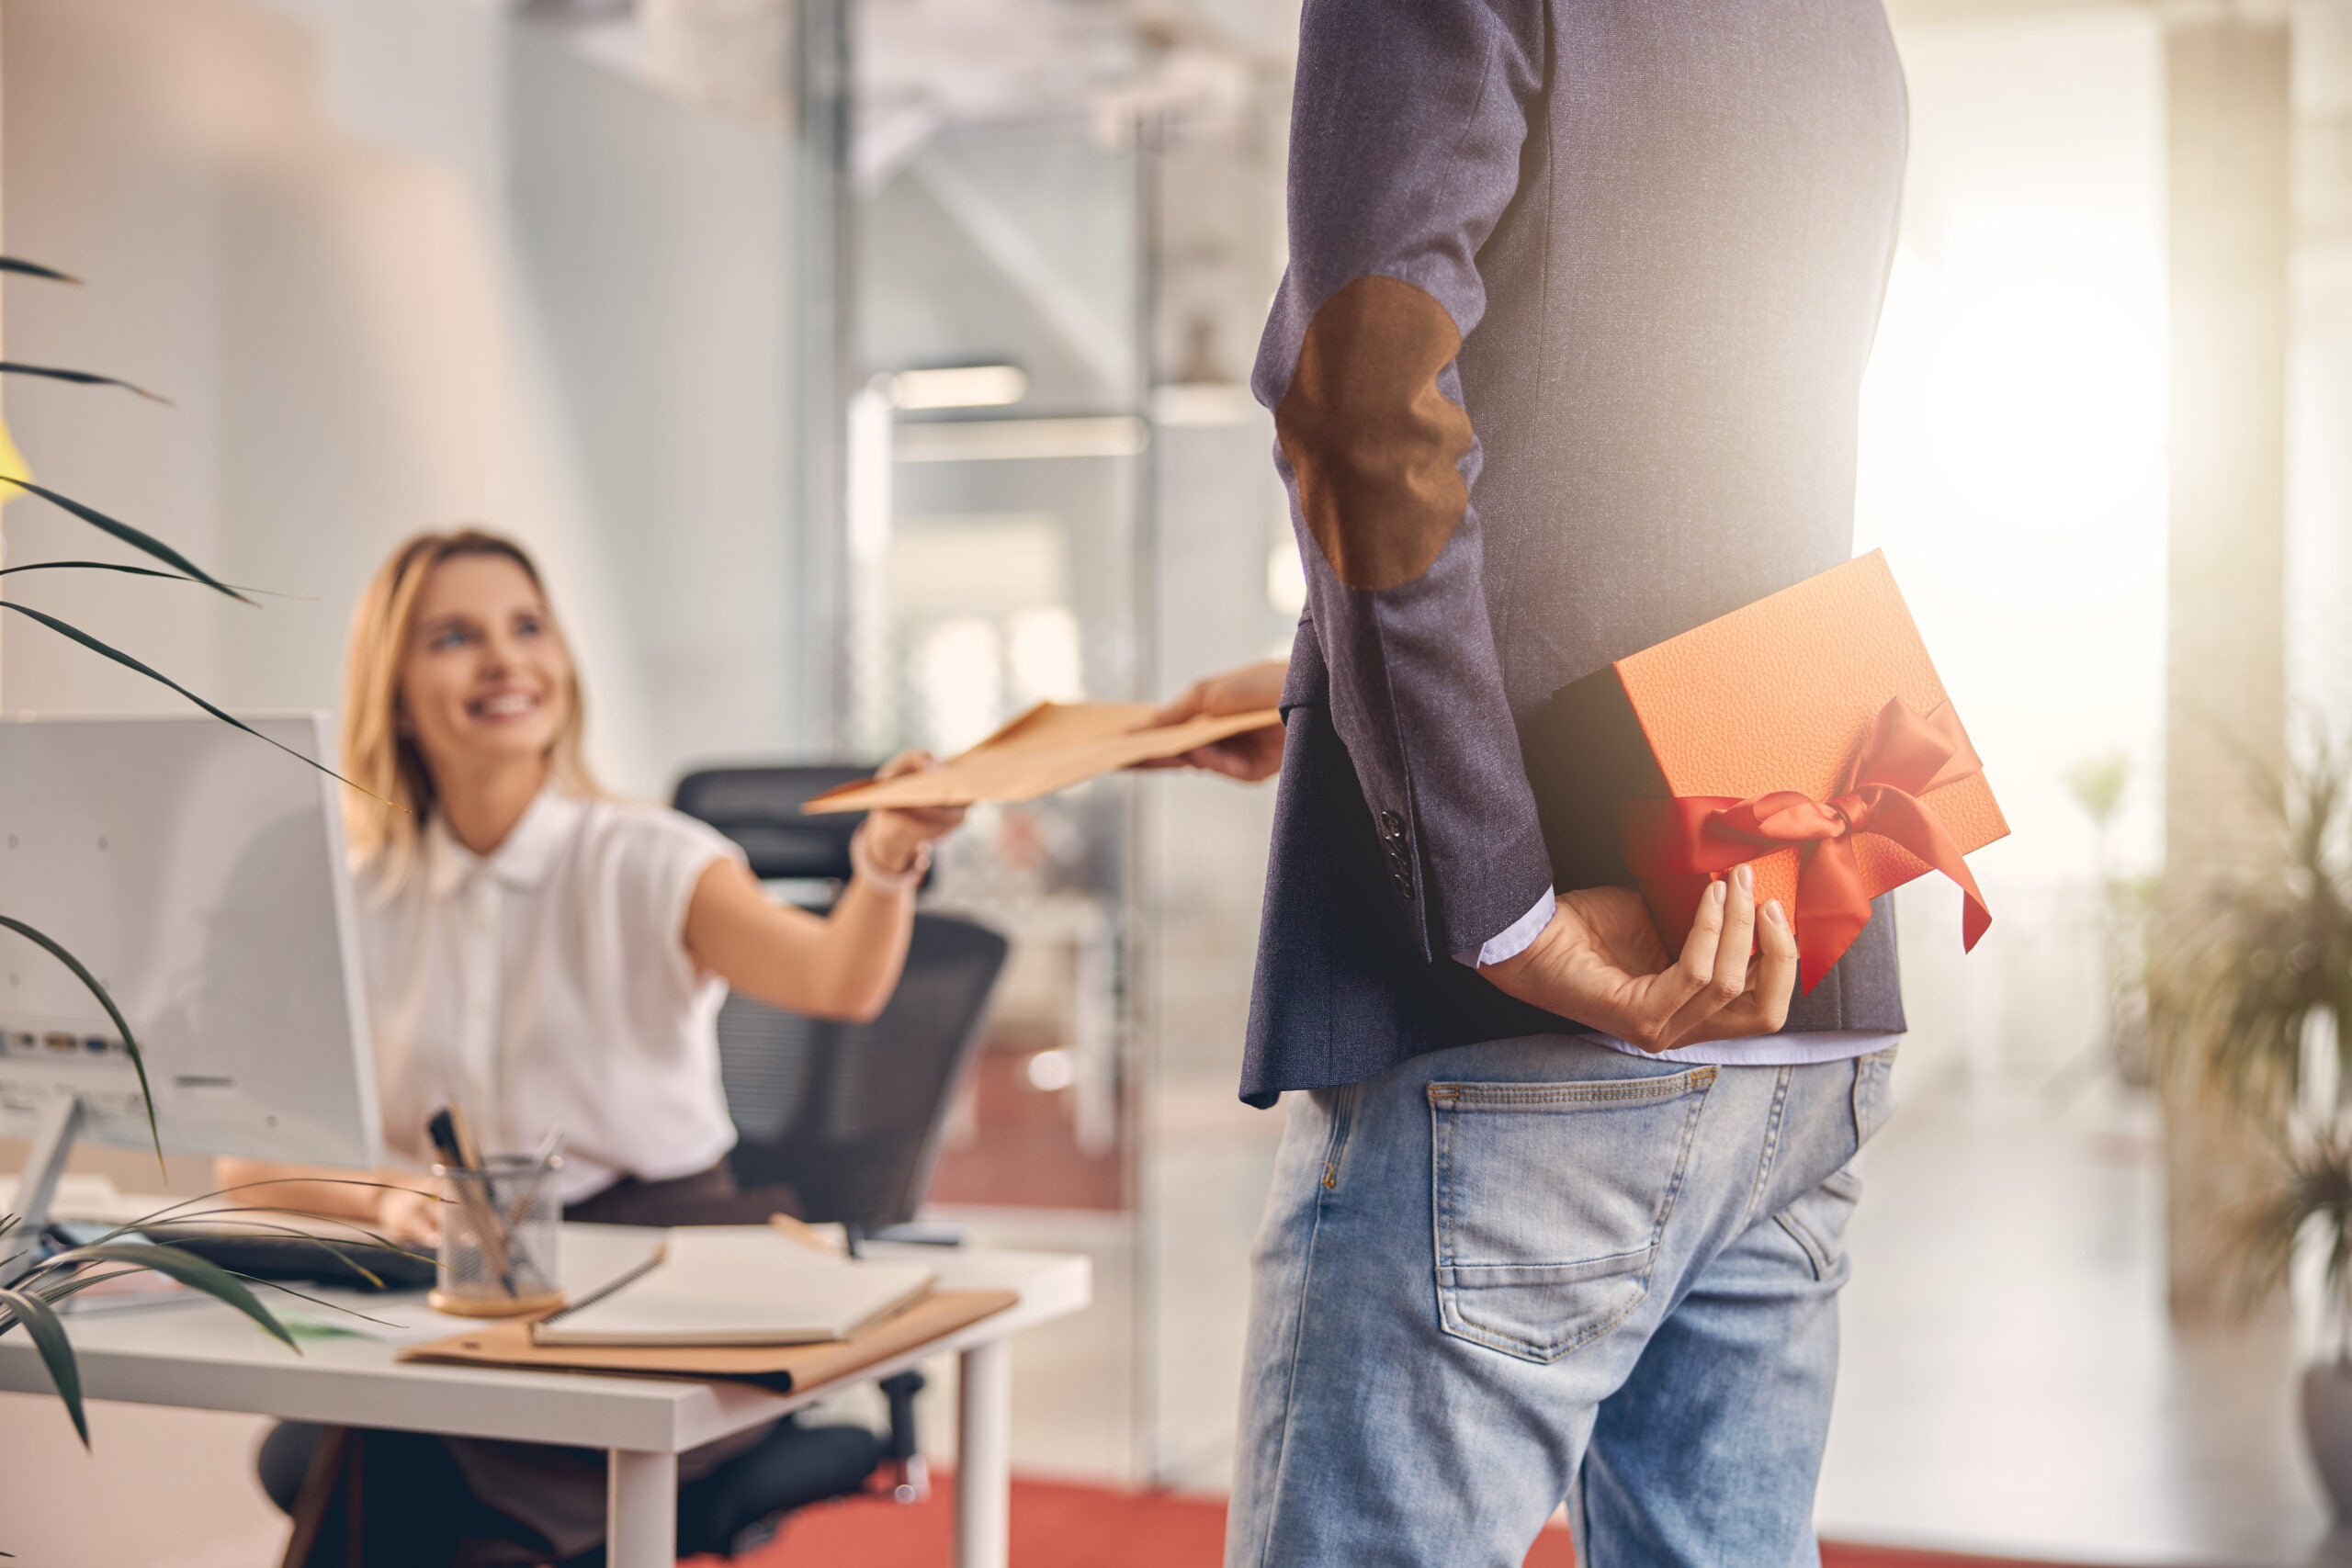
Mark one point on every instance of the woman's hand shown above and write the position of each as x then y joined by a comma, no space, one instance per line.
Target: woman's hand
408,1217
897,836
1254,754
1600,962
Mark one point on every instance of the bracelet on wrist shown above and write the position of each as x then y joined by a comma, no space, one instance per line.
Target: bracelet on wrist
865,868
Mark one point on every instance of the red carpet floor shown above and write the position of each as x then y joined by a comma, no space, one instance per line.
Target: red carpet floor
1061,1525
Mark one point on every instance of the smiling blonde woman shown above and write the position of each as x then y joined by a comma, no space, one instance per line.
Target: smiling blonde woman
545,957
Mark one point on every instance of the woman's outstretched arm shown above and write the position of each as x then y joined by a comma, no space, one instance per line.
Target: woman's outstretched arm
844,965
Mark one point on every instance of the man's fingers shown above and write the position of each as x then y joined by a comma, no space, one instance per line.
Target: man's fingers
1228,758
1188,705
1696,967
1771,982
1682,994
1776,972
1739,939
1729,910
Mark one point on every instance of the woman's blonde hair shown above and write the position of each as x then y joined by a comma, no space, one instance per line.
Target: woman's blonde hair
379,754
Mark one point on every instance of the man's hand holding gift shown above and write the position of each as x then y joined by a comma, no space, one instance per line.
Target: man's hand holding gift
1600,962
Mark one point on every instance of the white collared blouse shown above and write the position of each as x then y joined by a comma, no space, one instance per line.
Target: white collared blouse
548,985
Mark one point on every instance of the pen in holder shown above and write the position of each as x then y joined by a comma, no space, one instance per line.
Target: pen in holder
499,1235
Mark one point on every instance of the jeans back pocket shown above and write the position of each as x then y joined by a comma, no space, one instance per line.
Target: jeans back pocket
1550,1199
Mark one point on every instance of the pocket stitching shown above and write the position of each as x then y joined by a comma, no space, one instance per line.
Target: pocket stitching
1815,1249
1515,1095
1694,1084
1874,1081
1824,1256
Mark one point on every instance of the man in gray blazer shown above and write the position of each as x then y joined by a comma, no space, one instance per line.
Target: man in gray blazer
1566,361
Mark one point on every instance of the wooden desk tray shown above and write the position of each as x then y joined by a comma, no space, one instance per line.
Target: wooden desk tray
784,1367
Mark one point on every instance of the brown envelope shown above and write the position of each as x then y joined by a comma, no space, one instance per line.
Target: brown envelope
1051,746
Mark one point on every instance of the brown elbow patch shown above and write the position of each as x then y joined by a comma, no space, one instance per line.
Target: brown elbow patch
1376,446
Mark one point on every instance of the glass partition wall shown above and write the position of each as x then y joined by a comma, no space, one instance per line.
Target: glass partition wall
1059,488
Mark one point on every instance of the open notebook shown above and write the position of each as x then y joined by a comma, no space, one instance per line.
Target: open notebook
737,1285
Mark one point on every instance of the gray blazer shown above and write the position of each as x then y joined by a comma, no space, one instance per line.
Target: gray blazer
1566,361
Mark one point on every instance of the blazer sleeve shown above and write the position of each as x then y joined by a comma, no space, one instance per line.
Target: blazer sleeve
1406,134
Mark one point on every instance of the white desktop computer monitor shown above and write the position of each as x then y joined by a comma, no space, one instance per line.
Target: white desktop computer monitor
201,875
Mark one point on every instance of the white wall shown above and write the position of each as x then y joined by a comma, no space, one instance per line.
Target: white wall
403,262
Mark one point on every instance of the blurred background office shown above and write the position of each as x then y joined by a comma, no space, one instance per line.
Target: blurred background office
864,371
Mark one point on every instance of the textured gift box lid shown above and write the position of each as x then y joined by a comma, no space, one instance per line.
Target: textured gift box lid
1779,695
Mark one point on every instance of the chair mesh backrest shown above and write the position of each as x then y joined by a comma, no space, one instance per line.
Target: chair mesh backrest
850,1114
760,810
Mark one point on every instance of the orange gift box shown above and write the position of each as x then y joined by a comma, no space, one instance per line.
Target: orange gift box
1806,734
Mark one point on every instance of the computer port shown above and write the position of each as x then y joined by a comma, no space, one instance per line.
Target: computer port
96,1044
58,1040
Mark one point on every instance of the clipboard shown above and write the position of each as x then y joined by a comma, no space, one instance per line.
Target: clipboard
782,1367
1049,747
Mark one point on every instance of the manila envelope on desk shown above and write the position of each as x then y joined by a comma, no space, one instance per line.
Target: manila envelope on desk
1051,746
1806,733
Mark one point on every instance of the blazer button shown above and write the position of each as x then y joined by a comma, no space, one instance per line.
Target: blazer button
1404,882
1392,827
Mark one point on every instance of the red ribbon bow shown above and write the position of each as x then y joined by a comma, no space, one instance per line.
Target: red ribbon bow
1906,756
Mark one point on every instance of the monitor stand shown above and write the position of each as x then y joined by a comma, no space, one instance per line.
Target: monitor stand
37,1186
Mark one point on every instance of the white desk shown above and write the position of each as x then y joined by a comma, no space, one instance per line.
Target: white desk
201,1355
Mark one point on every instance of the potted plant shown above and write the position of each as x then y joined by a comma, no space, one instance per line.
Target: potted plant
32,1285
2254,997
2099,785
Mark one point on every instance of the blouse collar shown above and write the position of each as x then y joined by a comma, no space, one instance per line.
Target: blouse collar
522,860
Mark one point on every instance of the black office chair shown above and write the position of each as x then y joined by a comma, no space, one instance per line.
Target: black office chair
848,1114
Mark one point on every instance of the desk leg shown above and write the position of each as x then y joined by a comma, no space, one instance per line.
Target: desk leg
641,1510
983,1466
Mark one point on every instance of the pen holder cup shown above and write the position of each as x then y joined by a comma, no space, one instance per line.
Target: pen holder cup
499,1233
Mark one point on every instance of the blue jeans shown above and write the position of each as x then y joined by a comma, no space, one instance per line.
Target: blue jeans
1508,1274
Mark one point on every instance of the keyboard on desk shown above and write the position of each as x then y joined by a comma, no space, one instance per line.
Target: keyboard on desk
294,1258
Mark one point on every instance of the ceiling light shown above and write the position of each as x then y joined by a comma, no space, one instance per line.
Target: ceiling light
957,387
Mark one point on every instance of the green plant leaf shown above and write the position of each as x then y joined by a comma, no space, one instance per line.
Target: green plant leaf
34,269
40,1321
95,645
57,1288
77,1283
195,1272
172,1212
146,543
2098,784
94,566
79,378
132,572
236,1220
81,972
283,1289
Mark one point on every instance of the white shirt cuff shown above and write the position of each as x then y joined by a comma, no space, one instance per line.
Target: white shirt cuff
1513,939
